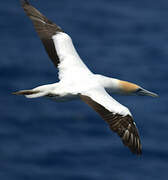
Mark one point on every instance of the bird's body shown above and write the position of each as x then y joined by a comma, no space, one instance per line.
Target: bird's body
78,82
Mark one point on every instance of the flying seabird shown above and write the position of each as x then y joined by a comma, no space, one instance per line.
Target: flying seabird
78,82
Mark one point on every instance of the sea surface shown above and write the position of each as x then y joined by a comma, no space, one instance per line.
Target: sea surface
44,140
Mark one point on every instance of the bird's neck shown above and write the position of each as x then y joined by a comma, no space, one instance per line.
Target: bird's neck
117,86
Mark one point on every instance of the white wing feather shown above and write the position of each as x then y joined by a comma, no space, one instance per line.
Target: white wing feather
68,56
100,96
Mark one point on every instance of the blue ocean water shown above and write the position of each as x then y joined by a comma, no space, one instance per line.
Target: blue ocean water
41,139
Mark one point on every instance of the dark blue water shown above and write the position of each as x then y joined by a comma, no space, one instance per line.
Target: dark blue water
41,139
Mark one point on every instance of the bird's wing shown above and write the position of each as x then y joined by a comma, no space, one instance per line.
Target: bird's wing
57,43
116,115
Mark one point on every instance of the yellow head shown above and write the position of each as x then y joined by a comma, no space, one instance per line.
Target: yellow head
127,87
130,88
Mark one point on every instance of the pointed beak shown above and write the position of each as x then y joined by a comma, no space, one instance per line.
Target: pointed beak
144,92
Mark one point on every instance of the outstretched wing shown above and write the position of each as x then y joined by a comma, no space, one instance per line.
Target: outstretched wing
58,44
45,29
117,116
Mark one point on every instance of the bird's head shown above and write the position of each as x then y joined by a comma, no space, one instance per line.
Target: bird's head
133,89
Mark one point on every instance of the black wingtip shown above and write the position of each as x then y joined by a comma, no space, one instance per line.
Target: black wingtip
24,2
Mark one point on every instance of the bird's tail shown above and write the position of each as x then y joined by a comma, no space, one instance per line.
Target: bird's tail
31,93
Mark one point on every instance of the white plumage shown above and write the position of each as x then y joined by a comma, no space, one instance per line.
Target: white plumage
78,82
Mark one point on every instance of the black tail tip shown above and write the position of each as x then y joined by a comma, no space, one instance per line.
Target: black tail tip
16,93
26,92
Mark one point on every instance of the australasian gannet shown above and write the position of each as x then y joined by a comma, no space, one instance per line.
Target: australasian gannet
78,82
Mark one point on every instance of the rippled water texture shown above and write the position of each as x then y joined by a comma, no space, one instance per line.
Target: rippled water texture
41,139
